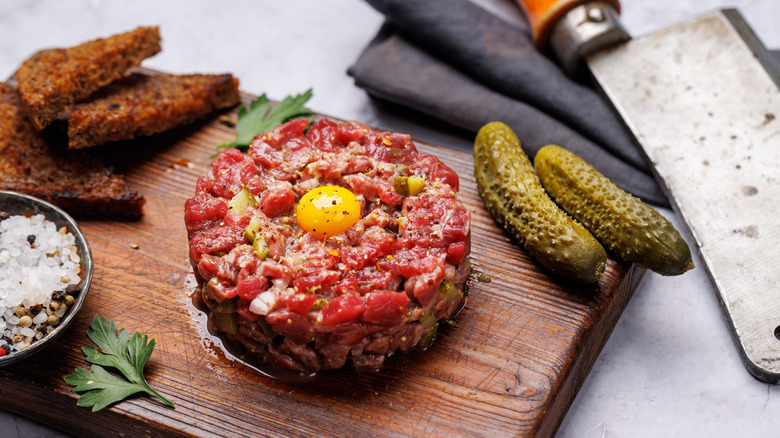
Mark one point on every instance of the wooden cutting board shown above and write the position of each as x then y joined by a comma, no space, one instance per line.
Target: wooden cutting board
510,365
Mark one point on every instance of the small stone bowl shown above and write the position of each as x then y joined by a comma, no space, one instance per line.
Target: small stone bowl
15,203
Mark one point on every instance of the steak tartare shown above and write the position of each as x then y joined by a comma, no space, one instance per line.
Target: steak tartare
333,246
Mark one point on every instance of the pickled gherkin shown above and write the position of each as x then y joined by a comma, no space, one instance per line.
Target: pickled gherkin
513,195
630,228
627,226
225,317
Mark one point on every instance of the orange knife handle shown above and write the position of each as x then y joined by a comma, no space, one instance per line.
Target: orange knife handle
544,14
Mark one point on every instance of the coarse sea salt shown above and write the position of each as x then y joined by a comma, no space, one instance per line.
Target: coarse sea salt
36,260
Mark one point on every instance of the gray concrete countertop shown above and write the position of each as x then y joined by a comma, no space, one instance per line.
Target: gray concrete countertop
670,367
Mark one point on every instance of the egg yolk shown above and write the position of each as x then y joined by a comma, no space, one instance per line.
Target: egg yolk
327,211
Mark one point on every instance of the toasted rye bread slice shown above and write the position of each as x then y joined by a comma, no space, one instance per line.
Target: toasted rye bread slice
51,80
79,184
141,105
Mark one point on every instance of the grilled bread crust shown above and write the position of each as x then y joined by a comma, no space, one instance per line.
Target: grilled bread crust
52,79
79,184
142,105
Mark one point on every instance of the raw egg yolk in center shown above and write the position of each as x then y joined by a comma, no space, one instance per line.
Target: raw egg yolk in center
327,211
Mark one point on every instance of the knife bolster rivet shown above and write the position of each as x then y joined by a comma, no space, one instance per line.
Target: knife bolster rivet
595,14
584,30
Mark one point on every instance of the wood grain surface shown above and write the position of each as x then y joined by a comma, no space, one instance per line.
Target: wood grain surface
510,365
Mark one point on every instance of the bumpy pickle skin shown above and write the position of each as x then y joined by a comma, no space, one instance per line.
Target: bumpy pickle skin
513,195
627,226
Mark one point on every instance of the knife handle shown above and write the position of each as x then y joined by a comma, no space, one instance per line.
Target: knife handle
544,15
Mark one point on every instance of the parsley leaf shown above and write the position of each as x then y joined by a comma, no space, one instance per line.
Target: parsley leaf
260,117
117,350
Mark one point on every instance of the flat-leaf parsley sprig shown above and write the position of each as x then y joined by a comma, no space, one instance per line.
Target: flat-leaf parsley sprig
259,117
117,350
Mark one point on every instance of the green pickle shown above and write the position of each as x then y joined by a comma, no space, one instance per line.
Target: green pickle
242,201
408,185
513,195
252,229
627,226
449,291
260,246
428,320
225,317
251,234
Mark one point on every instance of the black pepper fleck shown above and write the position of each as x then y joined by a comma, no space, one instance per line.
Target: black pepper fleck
58,295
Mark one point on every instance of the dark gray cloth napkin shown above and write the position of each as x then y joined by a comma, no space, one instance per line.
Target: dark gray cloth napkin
461,64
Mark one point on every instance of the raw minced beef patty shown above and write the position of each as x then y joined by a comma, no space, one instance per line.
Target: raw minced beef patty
298,302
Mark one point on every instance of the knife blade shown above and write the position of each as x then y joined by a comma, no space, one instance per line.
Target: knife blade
702,100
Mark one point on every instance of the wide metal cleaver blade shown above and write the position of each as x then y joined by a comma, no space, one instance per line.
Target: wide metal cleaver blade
702,99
